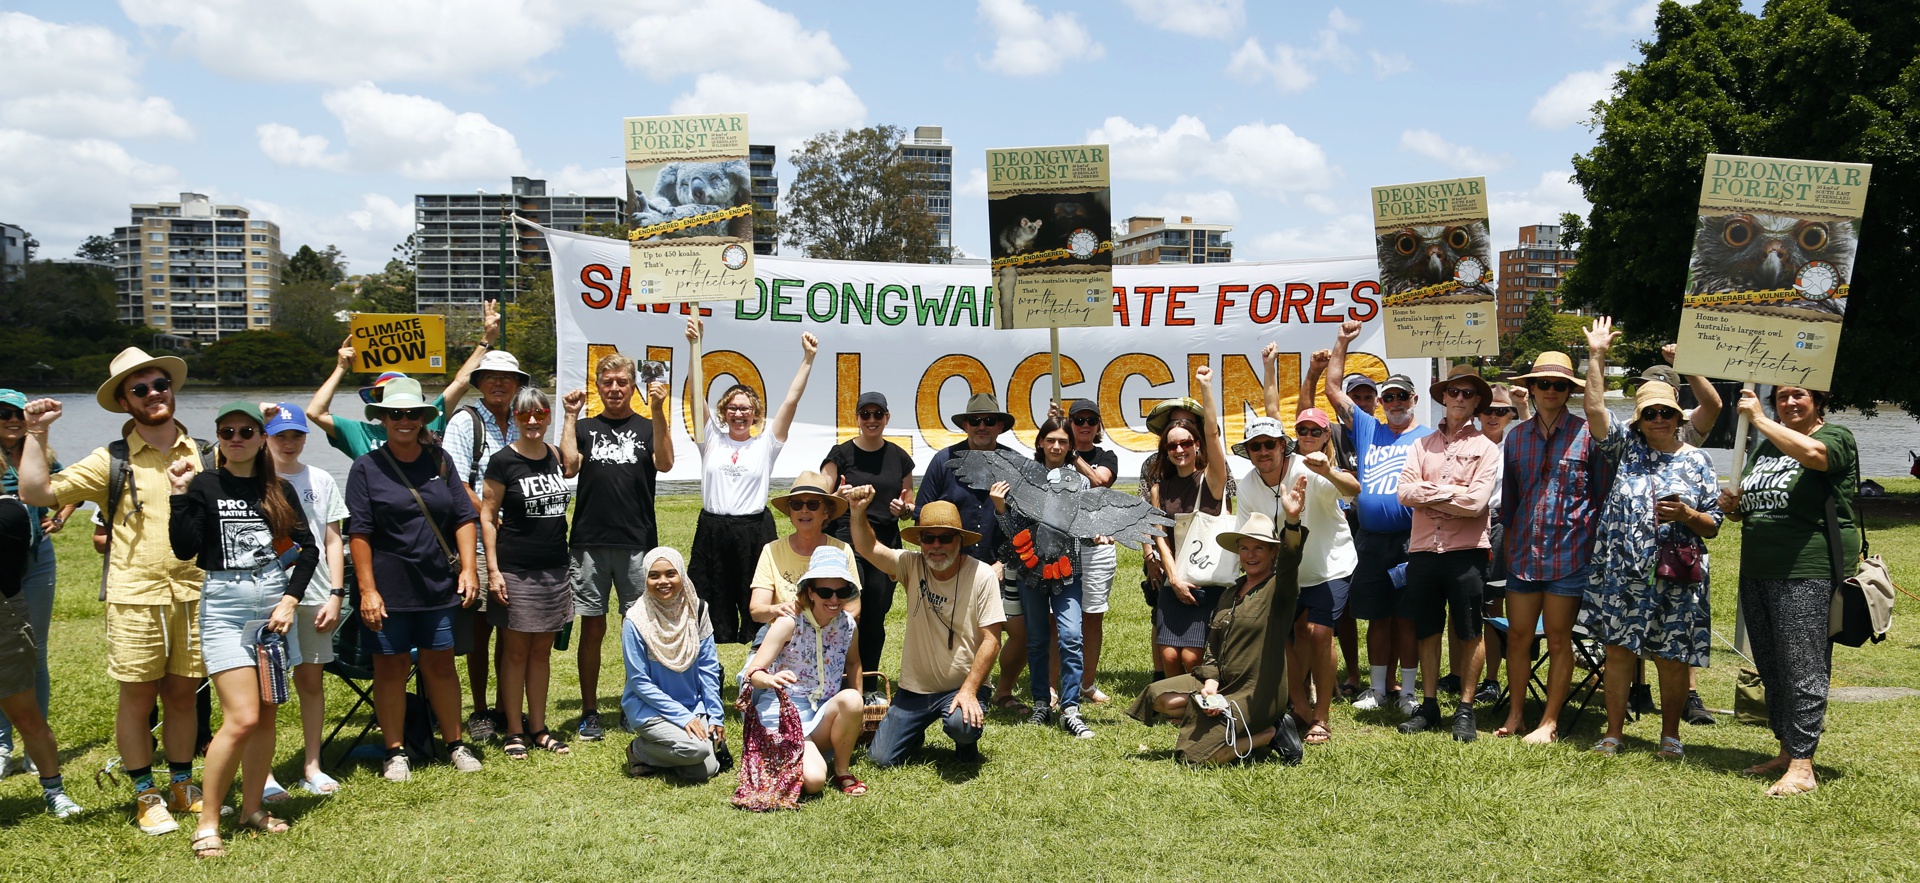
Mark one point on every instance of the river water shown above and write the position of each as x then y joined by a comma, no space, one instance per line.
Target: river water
1884,439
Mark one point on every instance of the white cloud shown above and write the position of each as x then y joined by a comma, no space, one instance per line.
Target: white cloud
366,233
77,81
1457,157
1386,65
381,213
783,112
1571,100
1622,16
342,41
1028,42
286,146
1268,159
1552,194
607,181
1218,19
63,191
758,42
410,134
1207,207
1340,236
1292,68
974,186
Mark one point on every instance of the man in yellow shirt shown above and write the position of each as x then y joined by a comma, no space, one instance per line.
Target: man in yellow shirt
152,598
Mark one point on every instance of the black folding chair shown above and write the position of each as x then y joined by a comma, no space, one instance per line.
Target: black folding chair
1588,653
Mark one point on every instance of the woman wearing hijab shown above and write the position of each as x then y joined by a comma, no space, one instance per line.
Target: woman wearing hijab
814,656
672,699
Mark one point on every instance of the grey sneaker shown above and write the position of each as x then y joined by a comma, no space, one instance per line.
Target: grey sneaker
590,728
1368,700
397,770
1041,716
480,726
61,805
1071,722
6,761
464,759
1409,702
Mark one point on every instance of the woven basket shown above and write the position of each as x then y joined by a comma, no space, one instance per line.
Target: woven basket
871,714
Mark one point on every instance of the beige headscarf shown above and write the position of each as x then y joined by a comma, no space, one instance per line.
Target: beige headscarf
674,628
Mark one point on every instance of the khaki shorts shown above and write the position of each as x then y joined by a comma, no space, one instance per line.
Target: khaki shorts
147,641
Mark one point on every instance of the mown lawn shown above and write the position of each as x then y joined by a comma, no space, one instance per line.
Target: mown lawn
1369,805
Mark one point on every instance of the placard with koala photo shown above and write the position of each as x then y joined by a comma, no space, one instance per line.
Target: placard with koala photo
1773,253
689,196
1436,268
1051,213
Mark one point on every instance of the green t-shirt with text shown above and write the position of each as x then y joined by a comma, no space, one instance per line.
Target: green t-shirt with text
1785,532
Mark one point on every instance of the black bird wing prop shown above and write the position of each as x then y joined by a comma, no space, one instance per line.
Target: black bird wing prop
1083,513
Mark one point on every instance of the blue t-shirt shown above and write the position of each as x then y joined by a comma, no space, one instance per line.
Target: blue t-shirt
1381,455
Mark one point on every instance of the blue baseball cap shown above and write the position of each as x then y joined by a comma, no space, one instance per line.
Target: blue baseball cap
290,417
13,397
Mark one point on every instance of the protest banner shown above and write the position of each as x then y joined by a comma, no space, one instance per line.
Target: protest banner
1051,219
923,335
1436,269
1773,253
408,343
690,193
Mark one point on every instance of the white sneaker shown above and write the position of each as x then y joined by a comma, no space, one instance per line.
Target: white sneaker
6,761
1409,702
1368,700
464,759
397,769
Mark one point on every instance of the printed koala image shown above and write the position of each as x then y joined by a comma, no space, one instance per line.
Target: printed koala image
1797,264
1422,255
680,191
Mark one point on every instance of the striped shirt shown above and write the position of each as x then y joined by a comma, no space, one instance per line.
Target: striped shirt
1551,497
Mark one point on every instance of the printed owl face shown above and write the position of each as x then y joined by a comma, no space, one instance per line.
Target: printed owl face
1426,254
1758,252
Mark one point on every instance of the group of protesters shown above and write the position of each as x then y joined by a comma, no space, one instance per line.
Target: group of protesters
1512,522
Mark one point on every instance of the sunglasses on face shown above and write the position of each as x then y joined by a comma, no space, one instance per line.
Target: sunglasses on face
1552,385
141,390
1086,421
228,433
414,414
843,592
1267,444
809,504
938,539
977,422
1182,445
872,415
1396,396
12,414
541,413
1315,431
1497,412
1462,392
1659,414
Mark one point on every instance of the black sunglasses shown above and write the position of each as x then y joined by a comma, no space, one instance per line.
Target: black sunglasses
406,413
843,593
1659,414
1551,385
1396,396
1315,431
937,539
227,433
809,504
12,414
1263,445
975,422
1086,421
1461,392
159,385
1497,412
872,415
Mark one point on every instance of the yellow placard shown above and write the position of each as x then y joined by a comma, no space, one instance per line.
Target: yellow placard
1050,210
1440,330
1436,268
1756,348
690,194
404,342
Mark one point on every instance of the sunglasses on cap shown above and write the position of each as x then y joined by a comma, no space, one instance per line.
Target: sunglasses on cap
939,538
11,413
872,414
1265,444
1659,414
142,390
228,433
1315,431
1396,395
1086,421
1497,412
1551,385
406,413
843,592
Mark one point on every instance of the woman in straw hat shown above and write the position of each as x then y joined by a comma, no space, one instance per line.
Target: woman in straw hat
809,505
1230,704
1664,495
672,695
813,655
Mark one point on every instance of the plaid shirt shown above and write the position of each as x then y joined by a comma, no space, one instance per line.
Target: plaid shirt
1551,497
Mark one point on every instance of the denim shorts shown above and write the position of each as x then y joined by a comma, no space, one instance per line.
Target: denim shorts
230,600
1573,585
409,630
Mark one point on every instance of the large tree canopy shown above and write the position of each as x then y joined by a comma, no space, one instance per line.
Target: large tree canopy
854,198
1807,79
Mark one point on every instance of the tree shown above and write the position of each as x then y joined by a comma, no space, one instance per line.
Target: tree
310,311
1536,330
388,291
855,198
1807,79
529,326
262,358
308,265
97,248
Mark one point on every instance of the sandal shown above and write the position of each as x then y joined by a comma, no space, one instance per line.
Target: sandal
207,844
274,792
1096,697
1671,749
321,784
1318,734
549,742
1009,703
1349,691
264,822
849,785
1607,747
515,747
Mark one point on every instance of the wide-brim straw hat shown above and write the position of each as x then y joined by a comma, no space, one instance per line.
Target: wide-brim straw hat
401,394
1162,414
1655,392
810,484
1552,365
1462,372
134,359
940,515
1257,527
981,404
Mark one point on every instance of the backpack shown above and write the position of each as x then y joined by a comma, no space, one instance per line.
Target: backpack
120,480
416,731
479,443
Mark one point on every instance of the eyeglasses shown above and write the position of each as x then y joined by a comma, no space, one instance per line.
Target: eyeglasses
1659,414
977,422
843,592
1263,445
872,415
414,414
809,503
1461,392
1497,412
938,539
541,413
1396,396
1551,385
12,414
1315,431
159,385
739,409
227,433
1182,445
1086,421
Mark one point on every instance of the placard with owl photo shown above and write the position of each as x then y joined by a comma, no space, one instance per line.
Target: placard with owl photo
689,194
1436,269
1051,214
1773,251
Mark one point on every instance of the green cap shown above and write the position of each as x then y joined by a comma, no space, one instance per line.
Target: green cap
248,408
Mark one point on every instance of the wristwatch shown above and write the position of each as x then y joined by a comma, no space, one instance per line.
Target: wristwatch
483,345
339,593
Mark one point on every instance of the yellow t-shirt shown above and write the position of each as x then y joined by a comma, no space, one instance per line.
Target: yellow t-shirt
944,618
143,569
780,568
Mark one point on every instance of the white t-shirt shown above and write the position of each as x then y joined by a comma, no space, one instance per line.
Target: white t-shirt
1328,554
734,476
323,503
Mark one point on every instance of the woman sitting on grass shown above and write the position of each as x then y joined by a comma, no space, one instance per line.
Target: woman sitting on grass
1237,687
815,656
672,698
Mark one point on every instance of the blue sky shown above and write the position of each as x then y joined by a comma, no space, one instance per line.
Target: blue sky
326,116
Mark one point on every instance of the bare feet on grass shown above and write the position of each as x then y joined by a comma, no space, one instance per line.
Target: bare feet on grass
1512,727
1798,780
1545,734
1777,765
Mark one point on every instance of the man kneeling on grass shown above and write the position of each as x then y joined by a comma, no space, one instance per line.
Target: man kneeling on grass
953,630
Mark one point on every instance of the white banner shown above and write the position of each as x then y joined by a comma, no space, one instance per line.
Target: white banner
922,335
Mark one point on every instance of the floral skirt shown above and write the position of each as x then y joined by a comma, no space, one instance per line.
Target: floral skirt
1657,619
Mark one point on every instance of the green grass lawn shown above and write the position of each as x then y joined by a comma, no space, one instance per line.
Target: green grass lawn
1371,804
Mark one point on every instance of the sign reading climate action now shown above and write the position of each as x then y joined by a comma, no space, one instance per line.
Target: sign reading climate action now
399,342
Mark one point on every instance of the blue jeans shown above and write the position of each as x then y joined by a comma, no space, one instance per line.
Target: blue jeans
37,587
1065,604
904,729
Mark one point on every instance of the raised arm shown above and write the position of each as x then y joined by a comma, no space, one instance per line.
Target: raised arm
864,543
1337,371
701,414
572,402
1270,380
319,407
1216,446
662,430
1316,371
1600,338
35,479
489,332
783,418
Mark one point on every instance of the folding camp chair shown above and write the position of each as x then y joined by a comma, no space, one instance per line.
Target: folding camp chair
1587,654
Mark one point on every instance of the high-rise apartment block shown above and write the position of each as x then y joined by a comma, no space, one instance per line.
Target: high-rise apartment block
928,145
766,197
13,252
467,244
197,270
1536,266
1155,241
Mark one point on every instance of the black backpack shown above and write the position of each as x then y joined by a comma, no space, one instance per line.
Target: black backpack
416,734
120,481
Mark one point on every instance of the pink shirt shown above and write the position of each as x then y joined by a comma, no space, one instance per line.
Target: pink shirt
1449,477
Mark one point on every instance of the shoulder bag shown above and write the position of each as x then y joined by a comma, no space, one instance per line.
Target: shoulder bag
770,766
1197,554
1862,607
453,558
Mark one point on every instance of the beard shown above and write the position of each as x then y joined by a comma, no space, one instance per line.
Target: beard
148,417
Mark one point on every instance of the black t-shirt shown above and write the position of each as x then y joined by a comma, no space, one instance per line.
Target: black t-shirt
16,540
219,524
886,470
533,512
616,483
1098,457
